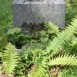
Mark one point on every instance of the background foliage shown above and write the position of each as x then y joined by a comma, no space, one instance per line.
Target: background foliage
71,10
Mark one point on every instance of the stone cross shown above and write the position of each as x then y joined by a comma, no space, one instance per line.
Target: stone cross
38,11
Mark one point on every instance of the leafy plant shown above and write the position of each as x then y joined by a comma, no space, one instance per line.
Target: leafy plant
38,57
9,60
69,72
5,21
49,32
54,48
64,60
57,44
50,52
71,7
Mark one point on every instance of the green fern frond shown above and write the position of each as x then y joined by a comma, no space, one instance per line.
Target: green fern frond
38,71
64,60
56,45
60,74
10,57
74,40
14,30
53,27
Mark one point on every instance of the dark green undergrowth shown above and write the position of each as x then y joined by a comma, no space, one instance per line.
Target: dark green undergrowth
71,10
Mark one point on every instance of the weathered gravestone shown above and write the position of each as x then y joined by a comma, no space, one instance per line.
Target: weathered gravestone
38,11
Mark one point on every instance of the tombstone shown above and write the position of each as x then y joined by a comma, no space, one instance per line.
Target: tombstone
38,11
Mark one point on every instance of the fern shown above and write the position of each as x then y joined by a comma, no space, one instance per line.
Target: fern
69,72
38,71
60,74
10,57
74,41
52,28
57,44
54,47
64,60
14,30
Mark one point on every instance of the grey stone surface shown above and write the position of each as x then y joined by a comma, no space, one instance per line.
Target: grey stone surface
38,11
